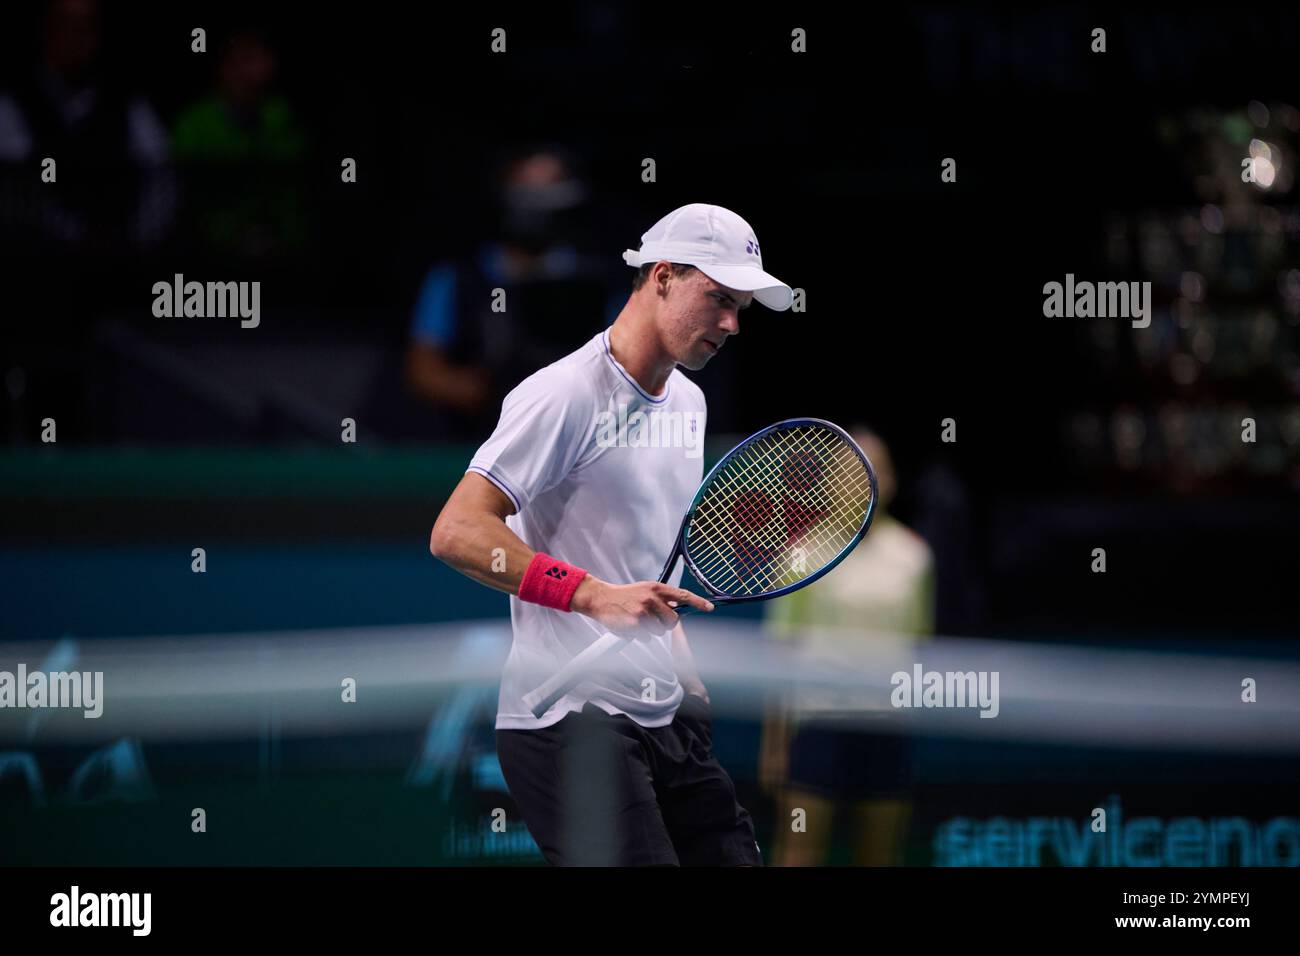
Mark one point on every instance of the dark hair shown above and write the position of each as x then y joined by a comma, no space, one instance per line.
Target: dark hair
643,273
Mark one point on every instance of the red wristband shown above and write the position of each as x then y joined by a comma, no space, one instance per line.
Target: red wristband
550,582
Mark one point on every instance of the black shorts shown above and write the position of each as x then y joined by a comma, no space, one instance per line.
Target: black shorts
598,789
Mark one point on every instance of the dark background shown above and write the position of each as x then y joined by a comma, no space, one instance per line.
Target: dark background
924,300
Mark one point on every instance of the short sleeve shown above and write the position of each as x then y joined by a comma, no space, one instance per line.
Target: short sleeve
546,423
435,313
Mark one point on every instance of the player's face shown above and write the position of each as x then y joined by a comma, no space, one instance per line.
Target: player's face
699,316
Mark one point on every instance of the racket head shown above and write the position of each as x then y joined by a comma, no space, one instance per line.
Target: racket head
778,511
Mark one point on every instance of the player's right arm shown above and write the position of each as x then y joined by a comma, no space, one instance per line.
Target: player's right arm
471,536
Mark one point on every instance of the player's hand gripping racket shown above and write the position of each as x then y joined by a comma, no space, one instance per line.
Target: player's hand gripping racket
776,513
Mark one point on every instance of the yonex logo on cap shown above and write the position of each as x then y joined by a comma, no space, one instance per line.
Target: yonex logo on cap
751,247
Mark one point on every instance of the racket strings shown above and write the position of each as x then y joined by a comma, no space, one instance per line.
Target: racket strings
812,529
821,540
744,514
752,509
801,487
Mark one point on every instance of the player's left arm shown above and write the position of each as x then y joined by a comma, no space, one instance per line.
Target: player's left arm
684,661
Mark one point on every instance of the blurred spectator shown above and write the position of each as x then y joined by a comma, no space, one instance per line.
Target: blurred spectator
110,148
827,762
243,122
463,357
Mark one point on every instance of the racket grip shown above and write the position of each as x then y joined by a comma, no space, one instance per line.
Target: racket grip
541,700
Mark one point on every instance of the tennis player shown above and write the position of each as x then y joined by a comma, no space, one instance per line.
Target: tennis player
572,507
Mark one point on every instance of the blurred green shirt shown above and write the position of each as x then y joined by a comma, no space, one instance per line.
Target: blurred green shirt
209,131
880,597
885,584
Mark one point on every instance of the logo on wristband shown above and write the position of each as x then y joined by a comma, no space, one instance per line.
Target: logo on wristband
552,587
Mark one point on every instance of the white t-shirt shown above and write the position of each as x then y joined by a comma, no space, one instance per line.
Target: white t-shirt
601,474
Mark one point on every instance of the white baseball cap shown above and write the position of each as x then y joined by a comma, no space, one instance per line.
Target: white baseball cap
718,243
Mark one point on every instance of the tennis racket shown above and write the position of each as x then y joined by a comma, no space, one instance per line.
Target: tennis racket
773,515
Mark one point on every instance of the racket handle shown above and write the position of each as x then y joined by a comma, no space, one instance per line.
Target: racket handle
562,681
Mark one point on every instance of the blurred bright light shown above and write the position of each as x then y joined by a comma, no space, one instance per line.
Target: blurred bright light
1267,159
1265,173
1260,149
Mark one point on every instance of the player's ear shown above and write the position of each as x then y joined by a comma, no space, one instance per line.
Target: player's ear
661,274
